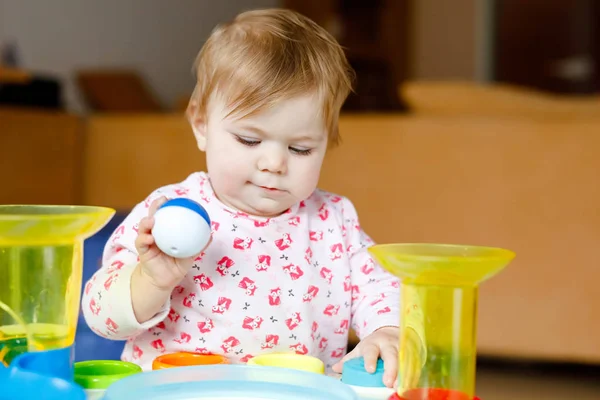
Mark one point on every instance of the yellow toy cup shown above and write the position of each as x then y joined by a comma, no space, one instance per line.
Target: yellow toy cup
289,360
41,265
440,284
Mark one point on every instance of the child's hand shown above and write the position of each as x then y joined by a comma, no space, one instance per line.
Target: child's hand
383,343
163,271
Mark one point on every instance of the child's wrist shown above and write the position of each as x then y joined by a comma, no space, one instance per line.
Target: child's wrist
146,298
150,283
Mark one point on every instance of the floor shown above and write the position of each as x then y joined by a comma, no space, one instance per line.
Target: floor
502,380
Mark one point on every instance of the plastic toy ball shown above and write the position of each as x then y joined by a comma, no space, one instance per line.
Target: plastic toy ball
181,228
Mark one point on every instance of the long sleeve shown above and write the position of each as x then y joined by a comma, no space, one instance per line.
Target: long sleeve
377,298
106,301
375,292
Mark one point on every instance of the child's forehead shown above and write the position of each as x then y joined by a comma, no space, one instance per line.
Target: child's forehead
298,114
305,103
298,108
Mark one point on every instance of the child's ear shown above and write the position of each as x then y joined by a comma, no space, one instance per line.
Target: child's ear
198,124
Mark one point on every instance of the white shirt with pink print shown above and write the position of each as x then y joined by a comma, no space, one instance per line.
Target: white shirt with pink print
295,282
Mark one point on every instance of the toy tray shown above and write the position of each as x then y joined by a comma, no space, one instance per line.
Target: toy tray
229,382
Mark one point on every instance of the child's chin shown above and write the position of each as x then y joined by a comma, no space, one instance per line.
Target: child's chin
270,208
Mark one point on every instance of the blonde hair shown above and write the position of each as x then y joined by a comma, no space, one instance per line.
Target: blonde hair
264,56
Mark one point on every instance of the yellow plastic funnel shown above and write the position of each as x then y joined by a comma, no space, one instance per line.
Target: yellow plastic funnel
41,264
438,336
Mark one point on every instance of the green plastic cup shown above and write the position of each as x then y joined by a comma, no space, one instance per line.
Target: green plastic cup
96,376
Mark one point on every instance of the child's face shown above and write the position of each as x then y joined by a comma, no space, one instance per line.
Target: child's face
265,163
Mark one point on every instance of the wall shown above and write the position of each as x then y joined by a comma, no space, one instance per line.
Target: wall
159,38
451,39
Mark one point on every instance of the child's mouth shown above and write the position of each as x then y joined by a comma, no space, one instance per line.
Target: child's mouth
272,190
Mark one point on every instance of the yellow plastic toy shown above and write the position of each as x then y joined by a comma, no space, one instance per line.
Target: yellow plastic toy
41,264
289,360
440,284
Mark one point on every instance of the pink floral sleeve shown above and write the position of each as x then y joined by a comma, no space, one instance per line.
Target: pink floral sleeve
375,292
106,300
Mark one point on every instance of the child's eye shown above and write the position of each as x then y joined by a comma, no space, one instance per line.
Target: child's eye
247,142
300,152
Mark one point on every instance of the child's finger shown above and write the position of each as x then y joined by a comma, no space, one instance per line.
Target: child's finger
143,242
145,225
340,364
389,355
370,353
208,244
156,205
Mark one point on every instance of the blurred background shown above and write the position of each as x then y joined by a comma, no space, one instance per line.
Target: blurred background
476,121
550,45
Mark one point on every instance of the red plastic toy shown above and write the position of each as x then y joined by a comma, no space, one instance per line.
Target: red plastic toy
432,394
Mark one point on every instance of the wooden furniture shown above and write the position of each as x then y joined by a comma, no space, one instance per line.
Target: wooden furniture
134,154
40,157
469,99
13,75
116,91
527,185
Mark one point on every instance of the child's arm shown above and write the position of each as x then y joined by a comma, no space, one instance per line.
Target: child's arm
378,299
376,293
376,304
119,296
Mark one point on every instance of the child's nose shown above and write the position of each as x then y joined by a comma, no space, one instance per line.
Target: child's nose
274,161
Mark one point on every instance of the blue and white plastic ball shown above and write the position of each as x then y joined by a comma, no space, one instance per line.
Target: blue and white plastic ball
181,228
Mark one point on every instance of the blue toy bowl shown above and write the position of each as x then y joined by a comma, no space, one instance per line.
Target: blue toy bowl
40,375
229,382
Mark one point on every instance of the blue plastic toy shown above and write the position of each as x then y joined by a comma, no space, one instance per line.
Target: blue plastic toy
181,228
44,375
354,373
